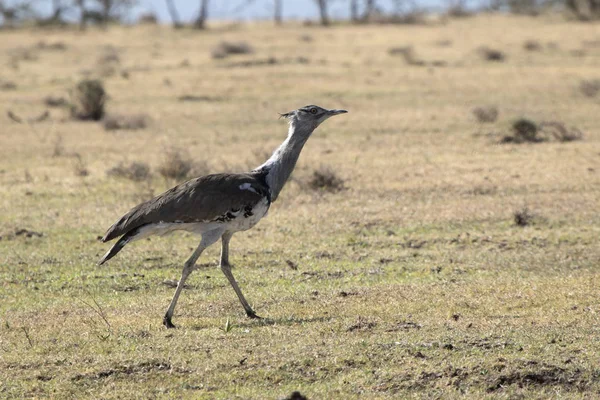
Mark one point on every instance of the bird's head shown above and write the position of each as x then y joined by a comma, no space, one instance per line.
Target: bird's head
310,116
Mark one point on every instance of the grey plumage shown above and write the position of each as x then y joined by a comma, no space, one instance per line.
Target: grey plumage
216,206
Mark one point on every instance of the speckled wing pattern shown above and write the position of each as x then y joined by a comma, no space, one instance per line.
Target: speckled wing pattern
203,199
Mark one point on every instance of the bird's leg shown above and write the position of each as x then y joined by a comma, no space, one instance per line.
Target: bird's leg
187,270
226,268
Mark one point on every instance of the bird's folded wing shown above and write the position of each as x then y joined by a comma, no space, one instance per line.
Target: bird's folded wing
198,200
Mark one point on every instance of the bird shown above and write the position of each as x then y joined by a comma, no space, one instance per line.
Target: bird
218,205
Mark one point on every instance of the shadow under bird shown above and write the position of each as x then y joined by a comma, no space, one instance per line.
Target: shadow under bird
216,206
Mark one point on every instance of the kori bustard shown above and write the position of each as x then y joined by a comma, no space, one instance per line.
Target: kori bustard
216,206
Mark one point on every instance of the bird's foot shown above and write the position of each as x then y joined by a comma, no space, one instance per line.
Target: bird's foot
167,322
252,314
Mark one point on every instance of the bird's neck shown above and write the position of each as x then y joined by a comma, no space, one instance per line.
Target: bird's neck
279,167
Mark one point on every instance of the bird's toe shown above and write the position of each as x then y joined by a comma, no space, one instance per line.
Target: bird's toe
167,322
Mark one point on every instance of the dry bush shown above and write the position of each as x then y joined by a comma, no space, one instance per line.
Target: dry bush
80,167
490,54
559,131
7,85
136,171
523,216
590,88
486,114
524,130
178,165
325,179
532,45
225,49
114,122
305,38
55,101
56,46
408,54
59,147
87,100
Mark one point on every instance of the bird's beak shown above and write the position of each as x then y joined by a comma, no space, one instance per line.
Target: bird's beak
336,112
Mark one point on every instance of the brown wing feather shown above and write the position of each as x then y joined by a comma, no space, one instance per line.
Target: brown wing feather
197,200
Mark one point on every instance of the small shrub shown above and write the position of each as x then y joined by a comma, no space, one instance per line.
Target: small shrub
56,46
489,54
559,131
88,100
408,54
175,166
114,122
523,130
80,167
178,166
225,49
590,88
523,217
52,101
305,38
486,114
532,45
7,85
326,179
59,147
136,171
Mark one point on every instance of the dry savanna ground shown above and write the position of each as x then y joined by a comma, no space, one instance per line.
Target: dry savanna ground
437,256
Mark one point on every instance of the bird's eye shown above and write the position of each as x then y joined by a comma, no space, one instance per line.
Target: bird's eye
313,110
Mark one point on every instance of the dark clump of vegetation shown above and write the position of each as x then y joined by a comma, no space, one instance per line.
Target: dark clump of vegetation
523,131
55,101
532,45
523,217
490,54
527,131
408,54
136,171
326,179
87,100
486,114
130,122
590,88
225,49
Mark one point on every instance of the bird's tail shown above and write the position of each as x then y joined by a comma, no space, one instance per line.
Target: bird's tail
117,247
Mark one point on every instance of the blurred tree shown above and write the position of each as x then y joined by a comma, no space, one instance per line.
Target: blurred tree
584,9
15,13
277,11
200,22
174,14
369,8
322,4
353,10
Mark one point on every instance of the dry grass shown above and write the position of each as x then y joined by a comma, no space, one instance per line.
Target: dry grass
225,49
136,171
413,282
113,122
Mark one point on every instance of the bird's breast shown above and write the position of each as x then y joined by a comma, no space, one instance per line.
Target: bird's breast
246,217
